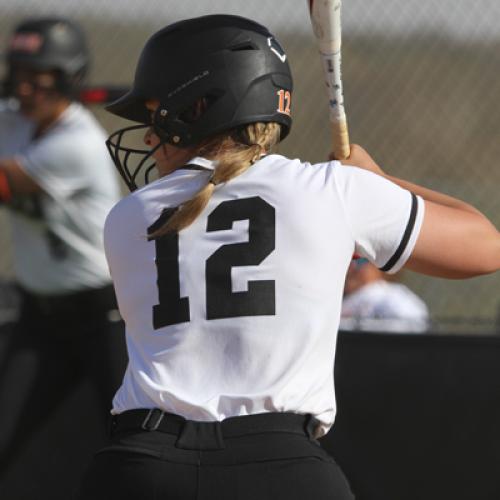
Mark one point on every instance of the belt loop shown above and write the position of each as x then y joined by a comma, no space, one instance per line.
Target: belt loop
153,419
310,425
200,436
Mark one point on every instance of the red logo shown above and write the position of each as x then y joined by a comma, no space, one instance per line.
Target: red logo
26,42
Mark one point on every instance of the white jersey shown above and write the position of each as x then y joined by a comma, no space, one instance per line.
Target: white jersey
57,234
238,313
384,306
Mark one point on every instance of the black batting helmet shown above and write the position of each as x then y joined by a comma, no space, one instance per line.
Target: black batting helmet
47,44
236,65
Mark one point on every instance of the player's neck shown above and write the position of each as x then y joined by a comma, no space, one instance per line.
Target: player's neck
45,122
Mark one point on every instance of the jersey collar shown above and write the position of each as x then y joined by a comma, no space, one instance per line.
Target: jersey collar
200,163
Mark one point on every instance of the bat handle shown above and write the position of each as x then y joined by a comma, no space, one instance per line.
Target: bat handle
340,140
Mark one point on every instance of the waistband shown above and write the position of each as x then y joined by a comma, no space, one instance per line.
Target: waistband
66,304
196,435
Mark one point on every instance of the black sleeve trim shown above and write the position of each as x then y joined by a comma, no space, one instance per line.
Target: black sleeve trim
406,236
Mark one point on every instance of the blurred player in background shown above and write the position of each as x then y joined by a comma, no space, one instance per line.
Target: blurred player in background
58,185
229,272
373,303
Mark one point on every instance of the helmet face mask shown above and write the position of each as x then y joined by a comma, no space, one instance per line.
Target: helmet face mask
134,164
232,64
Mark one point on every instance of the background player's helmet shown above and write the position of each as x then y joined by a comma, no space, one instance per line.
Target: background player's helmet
234,63
49,44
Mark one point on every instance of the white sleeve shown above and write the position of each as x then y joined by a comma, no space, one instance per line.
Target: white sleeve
385,219
58,164
15,132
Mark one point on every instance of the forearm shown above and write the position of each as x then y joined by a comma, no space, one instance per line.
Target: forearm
434,196
455,241
14,180
360,158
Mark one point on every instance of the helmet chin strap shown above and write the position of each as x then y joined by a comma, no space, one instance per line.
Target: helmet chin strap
162,145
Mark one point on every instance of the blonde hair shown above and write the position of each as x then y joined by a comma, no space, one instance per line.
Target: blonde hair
234,152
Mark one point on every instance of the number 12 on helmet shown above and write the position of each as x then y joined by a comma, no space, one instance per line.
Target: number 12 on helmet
284,101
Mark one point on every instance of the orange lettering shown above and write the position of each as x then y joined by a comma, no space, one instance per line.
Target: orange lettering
284,101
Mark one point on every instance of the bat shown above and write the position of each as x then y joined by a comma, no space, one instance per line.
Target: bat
326,23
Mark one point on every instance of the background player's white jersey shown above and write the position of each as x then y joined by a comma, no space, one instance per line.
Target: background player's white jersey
59,245
239,312
385,307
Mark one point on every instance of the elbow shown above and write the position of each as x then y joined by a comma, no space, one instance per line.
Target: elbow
455,245
488,261
489,267
473,273
493,264
467,261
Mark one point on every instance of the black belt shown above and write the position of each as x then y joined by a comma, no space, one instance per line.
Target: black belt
209,435
92,299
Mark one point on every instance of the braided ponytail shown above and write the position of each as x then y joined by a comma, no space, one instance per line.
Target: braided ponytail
234,152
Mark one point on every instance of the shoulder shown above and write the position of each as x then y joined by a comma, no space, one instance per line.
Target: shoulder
278,162
9,116
77,137
301,173
346,179
79,127
15,131
352,179
152,199
12,121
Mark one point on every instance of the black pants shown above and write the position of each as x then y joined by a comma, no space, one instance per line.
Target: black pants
57,342
260,457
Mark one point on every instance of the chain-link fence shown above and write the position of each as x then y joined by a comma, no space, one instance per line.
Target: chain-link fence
421,90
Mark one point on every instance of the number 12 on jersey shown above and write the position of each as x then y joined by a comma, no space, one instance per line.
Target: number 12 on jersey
221,301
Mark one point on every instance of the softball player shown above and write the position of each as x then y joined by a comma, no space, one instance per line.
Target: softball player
229,272
58,184
373,303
